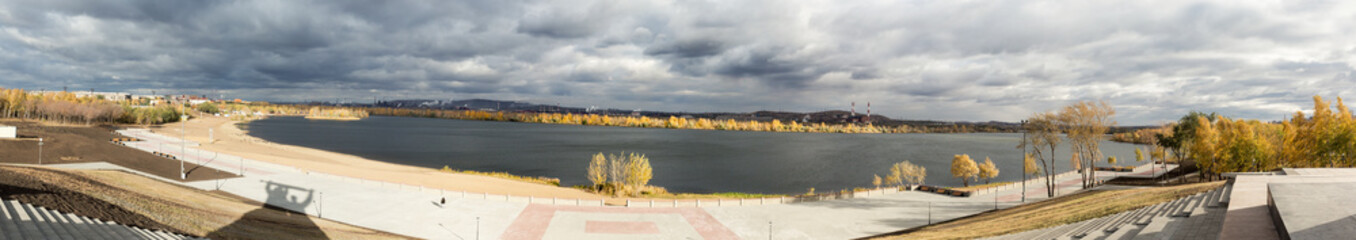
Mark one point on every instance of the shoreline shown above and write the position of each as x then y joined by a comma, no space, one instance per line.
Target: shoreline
231,139
333,118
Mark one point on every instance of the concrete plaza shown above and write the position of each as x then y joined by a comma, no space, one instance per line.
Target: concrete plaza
419,212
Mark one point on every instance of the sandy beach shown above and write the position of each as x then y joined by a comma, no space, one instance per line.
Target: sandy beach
232,140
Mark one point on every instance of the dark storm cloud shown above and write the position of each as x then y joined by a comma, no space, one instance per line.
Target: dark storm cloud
985,60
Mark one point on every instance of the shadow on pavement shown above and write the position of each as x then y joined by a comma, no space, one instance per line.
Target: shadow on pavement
280,217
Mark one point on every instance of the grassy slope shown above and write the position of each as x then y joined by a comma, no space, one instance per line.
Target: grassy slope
978,187
193,211
1054,212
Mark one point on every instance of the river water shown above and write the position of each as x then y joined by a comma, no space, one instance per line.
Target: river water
700,161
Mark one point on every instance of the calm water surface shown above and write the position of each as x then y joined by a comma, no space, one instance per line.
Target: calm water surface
699,161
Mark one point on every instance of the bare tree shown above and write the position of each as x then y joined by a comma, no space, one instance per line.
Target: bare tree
1043,134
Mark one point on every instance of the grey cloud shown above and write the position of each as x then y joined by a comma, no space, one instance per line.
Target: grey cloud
1159,57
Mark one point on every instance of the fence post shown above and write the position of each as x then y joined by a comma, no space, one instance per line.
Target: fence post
628,203
602,203
651,202
699,202
675,203
741,202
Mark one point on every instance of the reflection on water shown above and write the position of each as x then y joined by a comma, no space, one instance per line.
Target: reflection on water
683,160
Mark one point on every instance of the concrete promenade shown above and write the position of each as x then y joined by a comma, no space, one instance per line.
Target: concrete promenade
417,212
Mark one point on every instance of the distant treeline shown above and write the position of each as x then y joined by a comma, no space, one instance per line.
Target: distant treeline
335,113
66,107
639,121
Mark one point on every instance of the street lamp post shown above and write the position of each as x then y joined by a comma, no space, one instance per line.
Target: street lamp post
183,144
1024,161
39,151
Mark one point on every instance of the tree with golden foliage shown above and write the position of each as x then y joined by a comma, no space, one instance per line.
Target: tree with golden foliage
1086,124
598,170
876,181
1029,166
906,173
638,171
988,171
964,168
1139,155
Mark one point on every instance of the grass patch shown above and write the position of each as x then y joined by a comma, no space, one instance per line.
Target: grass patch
981,186
505,175
712,195
1055,212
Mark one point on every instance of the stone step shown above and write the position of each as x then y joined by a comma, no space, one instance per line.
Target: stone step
1056,232
1143,219
1228,189
64,230
27,228
1155,229
1213,200
10,228
1094,226
37,220
1127,219
103,228
85,227
1100,231
1186,210
1166,210
1125,232
117,229
24,221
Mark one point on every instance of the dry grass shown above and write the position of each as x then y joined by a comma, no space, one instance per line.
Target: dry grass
985,186
196,212
724,195
1054,212
505,175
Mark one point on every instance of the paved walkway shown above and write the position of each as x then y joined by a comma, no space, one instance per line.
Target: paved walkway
418,212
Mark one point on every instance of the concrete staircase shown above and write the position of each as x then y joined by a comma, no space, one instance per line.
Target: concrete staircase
1195,217
24,221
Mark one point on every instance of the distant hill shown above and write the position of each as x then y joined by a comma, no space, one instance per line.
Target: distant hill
826,117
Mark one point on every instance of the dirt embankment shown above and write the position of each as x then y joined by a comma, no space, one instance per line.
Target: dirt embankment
135,200
81,144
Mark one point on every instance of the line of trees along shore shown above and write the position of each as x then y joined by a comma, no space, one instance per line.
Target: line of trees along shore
66,107
638,121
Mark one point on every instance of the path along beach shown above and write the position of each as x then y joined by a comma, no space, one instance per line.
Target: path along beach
229,139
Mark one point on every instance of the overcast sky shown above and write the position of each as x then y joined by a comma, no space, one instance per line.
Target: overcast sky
942,60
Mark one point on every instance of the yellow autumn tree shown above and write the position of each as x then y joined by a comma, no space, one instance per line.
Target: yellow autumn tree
1029,165
906,172
638,171
964,168
988,171
598,170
